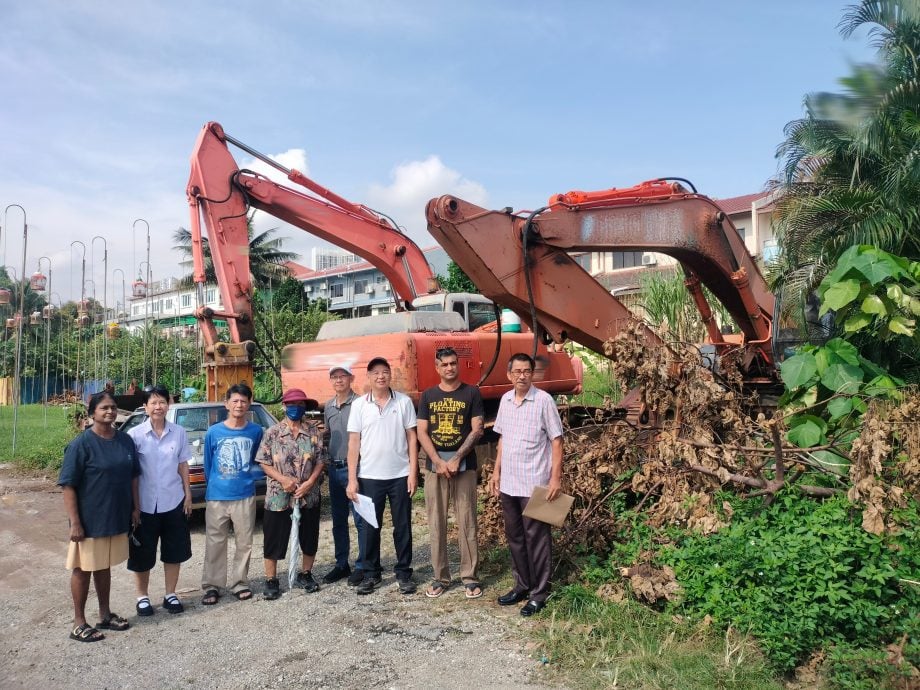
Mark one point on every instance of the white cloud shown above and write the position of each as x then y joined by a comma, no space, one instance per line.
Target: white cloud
295,159
413,185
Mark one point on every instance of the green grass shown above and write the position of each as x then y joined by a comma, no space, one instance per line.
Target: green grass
595,643
39,444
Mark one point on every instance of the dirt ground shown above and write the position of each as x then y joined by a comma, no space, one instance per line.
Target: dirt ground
331,639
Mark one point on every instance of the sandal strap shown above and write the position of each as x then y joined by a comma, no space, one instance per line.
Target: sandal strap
173,599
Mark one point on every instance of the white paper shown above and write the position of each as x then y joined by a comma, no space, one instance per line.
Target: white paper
365,507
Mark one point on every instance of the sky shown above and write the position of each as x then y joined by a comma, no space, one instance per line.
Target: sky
386,103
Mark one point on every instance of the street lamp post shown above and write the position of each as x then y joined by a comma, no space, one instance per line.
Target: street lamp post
76,385
147,300
47,333
22,300
146,316
105,277
124,307
91,315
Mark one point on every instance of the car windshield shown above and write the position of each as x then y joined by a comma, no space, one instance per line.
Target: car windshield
196,420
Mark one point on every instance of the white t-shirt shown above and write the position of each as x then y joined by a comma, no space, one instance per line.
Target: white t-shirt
384,447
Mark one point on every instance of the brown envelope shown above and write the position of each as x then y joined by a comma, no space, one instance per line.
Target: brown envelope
553,512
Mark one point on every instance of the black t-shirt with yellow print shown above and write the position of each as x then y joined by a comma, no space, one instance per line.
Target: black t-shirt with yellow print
449,416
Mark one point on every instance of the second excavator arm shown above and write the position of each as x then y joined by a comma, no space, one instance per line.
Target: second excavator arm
654,216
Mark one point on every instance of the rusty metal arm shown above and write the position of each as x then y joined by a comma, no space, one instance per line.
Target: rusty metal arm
487,245
689,227
222,193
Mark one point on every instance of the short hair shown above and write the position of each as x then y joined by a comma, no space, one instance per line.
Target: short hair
97,398
158,389
241,389
445,352
521,357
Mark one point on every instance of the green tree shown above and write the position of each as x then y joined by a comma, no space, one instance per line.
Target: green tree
456,280
850,169
266,256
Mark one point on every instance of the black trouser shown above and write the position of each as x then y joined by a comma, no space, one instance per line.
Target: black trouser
397,491
531,546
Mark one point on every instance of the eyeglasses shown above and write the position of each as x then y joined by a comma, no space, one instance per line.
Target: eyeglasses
339,377
521,372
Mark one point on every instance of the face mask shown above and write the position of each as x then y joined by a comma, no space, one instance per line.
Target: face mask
294,412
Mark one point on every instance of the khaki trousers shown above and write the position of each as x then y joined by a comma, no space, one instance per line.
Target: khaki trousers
217,518
460,490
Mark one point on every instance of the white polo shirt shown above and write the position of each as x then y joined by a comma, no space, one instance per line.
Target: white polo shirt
384,447
159,485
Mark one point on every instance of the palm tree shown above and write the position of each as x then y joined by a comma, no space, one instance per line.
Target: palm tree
850,169
266,256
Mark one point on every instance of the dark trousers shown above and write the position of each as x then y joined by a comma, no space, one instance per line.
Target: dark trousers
397,491
340,506
531,546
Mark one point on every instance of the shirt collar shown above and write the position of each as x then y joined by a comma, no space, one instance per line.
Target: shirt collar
147,428
370,397
351,396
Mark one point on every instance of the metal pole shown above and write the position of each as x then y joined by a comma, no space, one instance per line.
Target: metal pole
47,333
147,300
105,302
146,317
92,330
22,300
76,383
124,307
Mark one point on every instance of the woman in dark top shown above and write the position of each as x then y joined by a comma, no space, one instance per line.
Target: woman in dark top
99,478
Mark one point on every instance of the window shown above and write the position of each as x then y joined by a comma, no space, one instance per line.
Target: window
187,300
626,259
743,233
211,295
361,286
380,279
337,290
583,260
169,304
480,314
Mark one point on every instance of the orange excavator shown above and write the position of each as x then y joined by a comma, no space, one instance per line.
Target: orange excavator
222,194
522,261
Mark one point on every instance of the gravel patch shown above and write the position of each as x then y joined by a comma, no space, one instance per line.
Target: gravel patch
330,639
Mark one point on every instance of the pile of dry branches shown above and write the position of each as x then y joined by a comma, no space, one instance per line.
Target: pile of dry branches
705,435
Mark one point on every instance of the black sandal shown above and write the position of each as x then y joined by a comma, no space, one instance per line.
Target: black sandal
113,622
243,594
86,633
210,597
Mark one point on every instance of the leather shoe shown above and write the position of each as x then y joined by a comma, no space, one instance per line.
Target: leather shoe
532,607
512,597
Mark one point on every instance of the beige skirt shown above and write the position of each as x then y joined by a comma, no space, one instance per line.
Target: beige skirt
97,554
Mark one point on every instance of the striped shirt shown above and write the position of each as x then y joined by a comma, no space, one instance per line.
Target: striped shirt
527,430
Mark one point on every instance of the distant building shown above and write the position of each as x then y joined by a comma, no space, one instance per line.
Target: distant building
324,258
359,289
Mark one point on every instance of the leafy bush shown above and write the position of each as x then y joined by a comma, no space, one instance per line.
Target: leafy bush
801,575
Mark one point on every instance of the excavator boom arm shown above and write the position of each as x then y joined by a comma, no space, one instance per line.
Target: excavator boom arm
222,193
490,247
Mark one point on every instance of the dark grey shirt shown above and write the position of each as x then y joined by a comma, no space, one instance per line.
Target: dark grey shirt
336,418
101,470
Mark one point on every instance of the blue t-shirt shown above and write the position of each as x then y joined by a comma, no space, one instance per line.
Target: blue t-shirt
100,470
229,461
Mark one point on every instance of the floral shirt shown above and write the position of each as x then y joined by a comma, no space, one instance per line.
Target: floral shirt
293,457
